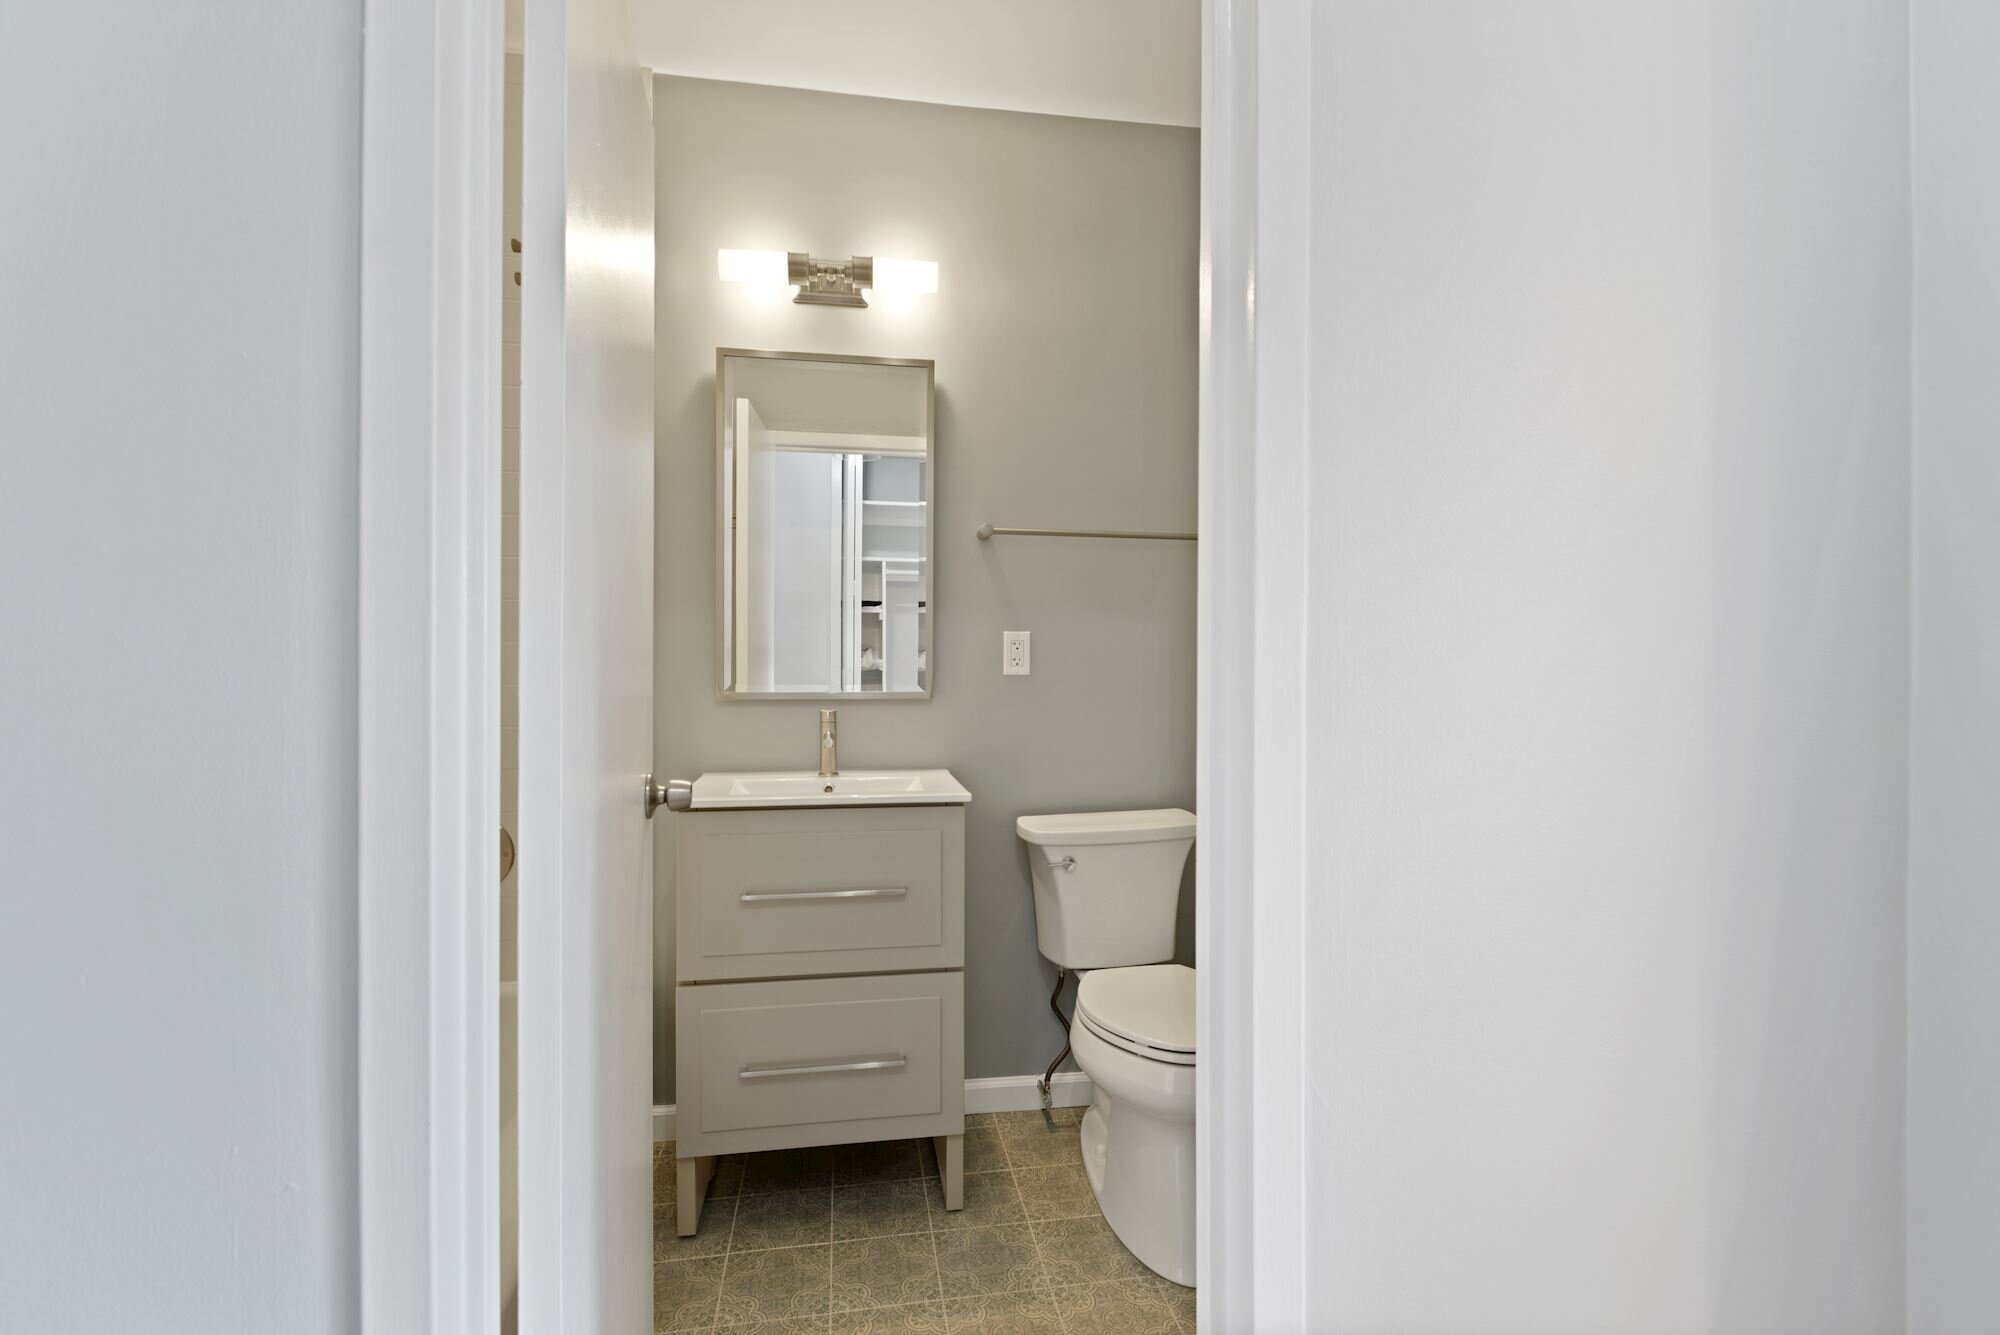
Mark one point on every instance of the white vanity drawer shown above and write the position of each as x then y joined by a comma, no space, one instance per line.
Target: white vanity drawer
764,894
819,1061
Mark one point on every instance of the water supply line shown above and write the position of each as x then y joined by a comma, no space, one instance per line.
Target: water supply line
1048,1076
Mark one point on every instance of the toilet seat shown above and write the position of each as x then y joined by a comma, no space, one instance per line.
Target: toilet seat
1146,1009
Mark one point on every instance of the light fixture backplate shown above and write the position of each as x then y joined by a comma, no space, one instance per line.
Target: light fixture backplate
830,282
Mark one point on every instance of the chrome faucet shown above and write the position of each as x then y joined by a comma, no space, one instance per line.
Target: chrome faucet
829,743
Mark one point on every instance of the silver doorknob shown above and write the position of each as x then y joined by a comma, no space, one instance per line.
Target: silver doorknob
674,795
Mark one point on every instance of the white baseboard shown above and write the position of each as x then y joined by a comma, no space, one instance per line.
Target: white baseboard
1002,1093
1022,1093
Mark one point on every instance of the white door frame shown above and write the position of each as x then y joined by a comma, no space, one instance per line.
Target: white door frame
1252,647
429,748
428,927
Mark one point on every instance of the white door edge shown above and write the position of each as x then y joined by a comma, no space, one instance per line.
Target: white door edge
427,922
585,678
1250,1253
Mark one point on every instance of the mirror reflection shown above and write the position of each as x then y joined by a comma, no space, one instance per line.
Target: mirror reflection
824,472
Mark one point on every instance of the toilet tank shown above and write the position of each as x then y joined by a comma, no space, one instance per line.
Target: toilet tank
1107,884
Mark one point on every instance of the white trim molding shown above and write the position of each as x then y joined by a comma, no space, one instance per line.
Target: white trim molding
1000,1093
1252,652
429,632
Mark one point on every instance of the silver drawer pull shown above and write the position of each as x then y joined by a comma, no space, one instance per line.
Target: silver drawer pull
801,896
863,1064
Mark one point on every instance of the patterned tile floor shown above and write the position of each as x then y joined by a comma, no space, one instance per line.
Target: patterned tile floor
855,1240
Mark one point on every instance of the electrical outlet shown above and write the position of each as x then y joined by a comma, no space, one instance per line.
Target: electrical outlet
1013,653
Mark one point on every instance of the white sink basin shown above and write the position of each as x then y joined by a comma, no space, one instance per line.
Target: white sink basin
851,788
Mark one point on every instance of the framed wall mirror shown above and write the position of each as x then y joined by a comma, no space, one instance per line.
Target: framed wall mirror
825,472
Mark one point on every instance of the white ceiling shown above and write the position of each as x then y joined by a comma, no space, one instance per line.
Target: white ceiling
1127,60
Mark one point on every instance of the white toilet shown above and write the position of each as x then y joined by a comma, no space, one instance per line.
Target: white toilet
1107,885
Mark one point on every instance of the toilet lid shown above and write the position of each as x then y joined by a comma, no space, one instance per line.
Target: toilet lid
1151,1005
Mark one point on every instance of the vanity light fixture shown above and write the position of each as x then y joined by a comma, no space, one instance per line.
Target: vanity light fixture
818,282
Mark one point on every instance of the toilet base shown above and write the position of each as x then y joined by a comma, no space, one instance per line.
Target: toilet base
1093,1149
1140,1163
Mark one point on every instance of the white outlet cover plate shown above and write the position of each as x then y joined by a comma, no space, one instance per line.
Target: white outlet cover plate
1014,653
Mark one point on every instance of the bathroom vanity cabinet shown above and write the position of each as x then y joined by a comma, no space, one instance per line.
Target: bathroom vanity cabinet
821,972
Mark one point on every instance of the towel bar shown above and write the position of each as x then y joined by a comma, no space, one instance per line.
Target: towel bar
988,532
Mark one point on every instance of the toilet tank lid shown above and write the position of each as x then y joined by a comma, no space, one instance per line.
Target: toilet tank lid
1107,827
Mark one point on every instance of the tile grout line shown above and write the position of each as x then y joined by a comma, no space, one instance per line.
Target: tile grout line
728,1243
1061,1308
930,1222
1034,1234
930,1225
721,1280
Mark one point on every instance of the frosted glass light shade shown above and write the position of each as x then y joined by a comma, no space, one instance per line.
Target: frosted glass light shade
902,278
767,268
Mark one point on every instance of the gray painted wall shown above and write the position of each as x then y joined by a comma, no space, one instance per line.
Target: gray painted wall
1064,333
1954,1081
180,283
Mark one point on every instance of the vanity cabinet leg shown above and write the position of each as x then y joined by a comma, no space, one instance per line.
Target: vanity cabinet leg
694,1176
951,1170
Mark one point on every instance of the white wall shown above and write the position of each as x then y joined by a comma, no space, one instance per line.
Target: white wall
1954,1165
1131,60
1608,479
178,546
